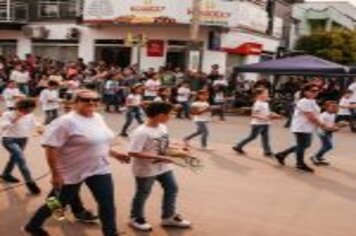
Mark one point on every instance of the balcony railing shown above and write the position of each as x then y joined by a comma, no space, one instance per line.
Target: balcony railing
58,10
14,12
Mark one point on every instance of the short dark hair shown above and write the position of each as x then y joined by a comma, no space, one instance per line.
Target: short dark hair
258,91
329,103
157,108
25,104
53,83
307,88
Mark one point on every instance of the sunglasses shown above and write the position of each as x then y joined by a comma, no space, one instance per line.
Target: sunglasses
88,100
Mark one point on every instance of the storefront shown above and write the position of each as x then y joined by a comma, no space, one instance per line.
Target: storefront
60,50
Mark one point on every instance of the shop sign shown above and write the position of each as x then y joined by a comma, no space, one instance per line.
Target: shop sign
155,48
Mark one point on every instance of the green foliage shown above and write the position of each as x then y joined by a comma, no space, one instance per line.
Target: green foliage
338,46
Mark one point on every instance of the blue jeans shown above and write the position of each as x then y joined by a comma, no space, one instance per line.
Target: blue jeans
16,146
102,188
326,144
303,142
184,110
24,88
51,115
256,130
202,129
143,190
131,114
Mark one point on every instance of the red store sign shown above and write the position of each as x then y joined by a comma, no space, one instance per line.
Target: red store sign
155,48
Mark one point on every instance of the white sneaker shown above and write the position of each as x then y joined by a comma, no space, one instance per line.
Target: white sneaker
176,221
140,224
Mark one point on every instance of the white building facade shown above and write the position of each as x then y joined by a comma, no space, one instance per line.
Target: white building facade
231,33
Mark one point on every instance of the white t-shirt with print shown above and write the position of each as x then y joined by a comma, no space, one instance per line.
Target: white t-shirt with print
345,102
9,95
150,140
183,94
21,128
300,122
200,106
83,144
328,119
262,109
49,99
152,87
134,100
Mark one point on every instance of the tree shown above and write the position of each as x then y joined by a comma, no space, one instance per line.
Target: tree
338,46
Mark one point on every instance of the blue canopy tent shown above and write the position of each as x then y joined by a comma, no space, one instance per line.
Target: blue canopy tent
304,65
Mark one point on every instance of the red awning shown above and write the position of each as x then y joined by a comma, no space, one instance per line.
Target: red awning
246,49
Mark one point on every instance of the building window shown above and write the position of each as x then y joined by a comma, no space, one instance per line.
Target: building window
58,8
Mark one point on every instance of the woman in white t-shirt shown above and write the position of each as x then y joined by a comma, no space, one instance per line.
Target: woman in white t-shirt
151,87
78,147
304,123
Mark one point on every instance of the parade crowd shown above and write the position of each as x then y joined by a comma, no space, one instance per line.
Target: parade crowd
78,143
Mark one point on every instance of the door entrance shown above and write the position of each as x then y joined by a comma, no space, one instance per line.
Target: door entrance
114,55
176,58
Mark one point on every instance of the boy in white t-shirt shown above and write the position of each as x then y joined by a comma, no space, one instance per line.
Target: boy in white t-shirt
345,106
183,97
327,118
261,118
148,147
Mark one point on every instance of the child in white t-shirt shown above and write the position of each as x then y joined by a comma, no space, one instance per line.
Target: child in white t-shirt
133,105
151,87
148,148
183,97
11,95
200,109
345,106
327,118
261,117
50,100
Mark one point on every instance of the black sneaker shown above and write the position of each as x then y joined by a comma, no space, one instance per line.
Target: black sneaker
125,135
280,158
34,189
86,217
10,179
36,231
238,150
269,154
305,168
319,161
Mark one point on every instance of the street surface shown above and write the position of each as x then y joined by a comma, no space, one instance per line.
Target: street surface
231,196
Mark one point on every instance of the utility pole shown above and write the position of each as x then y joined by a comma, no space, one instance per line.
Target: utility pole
194,48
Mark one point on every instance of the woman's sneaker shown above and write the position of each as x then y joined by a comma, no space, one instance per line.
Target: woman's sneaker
35,232
34,189
319,161
86,217
176,221
10,179
140,224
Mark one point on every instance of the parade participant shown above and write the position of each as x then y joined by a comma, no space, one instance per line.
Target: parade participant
200,110
22,77
50,100
151,87
111,98
77,147
345,112
11,94
133,105
327,118
163,95
218,98
16,128
148,146
261,118
183,97
305,121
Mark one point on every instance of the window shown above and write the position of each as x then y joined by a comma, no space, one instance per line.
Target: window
58,8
